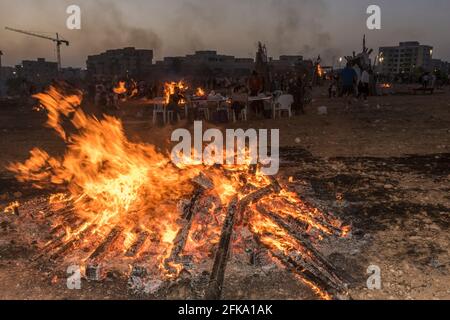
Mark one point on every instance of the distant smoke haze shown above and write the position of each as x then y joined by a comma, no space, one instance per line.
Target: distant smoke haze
331,28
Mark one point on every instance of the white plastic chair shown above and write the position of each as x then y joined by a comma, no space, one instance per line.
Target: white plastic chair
159,108
284,104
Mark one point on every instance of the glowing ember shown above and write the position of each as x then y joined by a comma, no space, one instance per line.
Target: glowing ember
12,208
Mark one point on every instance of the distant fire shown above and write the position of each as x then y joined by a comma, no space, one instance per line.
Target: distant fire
320,71
200,92
386,85
171,87
120,89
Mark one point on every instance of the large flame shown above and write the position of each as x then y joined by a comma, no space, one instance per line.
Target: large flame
112,181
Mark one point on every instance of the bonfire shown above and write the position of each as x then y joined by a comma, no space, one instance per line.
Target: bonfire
127,205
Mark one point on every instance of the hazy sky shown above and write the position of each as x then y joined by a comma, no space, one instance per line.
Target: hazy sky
177,27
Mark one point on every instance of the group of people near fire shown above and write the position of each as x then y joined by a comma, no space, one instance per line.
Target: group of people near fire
105,93
353,83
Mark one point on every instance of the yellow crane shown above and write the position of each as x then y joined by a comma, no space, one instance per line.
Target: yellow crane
59,41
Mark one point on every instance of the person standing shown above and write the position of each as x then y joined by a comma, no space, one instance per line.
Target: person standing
256,86
364,85
348,79
297,91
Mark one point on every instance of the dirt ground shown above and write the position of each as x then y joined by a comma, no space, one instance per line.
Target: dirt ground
383,168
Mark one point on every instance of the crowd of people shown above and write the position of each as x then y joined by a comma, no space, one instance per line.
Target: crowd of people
103,93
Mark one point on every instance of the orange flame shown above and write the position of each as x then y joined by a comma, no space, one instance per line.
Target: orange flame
200,92
120,89
12,207
170,87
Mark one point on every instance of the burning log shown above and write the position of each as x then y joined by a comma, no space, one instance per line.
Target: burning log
103,247
235,211
314,266
202,183
94,270
307,271
214,290
273,187
308,208
73,242
137,246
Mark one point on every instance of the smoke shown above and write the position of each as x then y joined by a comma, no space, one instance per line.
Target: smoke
174,27
108,27
104,25
235,27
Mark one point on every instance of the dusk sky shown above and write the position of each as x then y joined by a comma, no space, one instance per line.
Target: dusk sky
331,28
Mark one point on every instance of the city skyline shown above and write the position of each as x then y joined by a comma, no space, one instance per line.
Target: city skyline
174,28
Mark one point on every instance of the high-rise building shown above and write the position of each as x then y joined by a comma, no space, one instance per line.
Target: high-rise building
406,58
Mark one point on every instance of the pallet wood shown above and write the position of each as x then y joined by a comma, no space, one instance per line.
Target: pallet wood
313,262
137,245
183,233
107,242
214,290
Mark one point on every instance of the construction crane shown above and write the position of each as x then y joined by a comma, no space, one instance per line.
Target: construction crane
57,40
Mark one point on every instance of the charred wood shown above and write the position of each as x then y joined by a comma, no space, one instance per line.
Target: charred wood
214,290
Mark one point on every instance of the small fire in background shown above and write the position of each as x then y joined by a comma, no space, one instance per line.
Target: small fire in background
170,87
200,92
386,85
133,89
320,71
128,89
121,88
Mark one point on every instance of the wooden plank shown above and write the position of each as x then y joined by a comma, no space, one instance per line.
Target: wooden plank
107,242
314,262
183,233
72,243
137,245
214,290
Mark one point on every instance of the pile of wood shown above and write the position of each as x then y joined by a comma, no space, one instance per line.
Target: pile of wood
310,264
